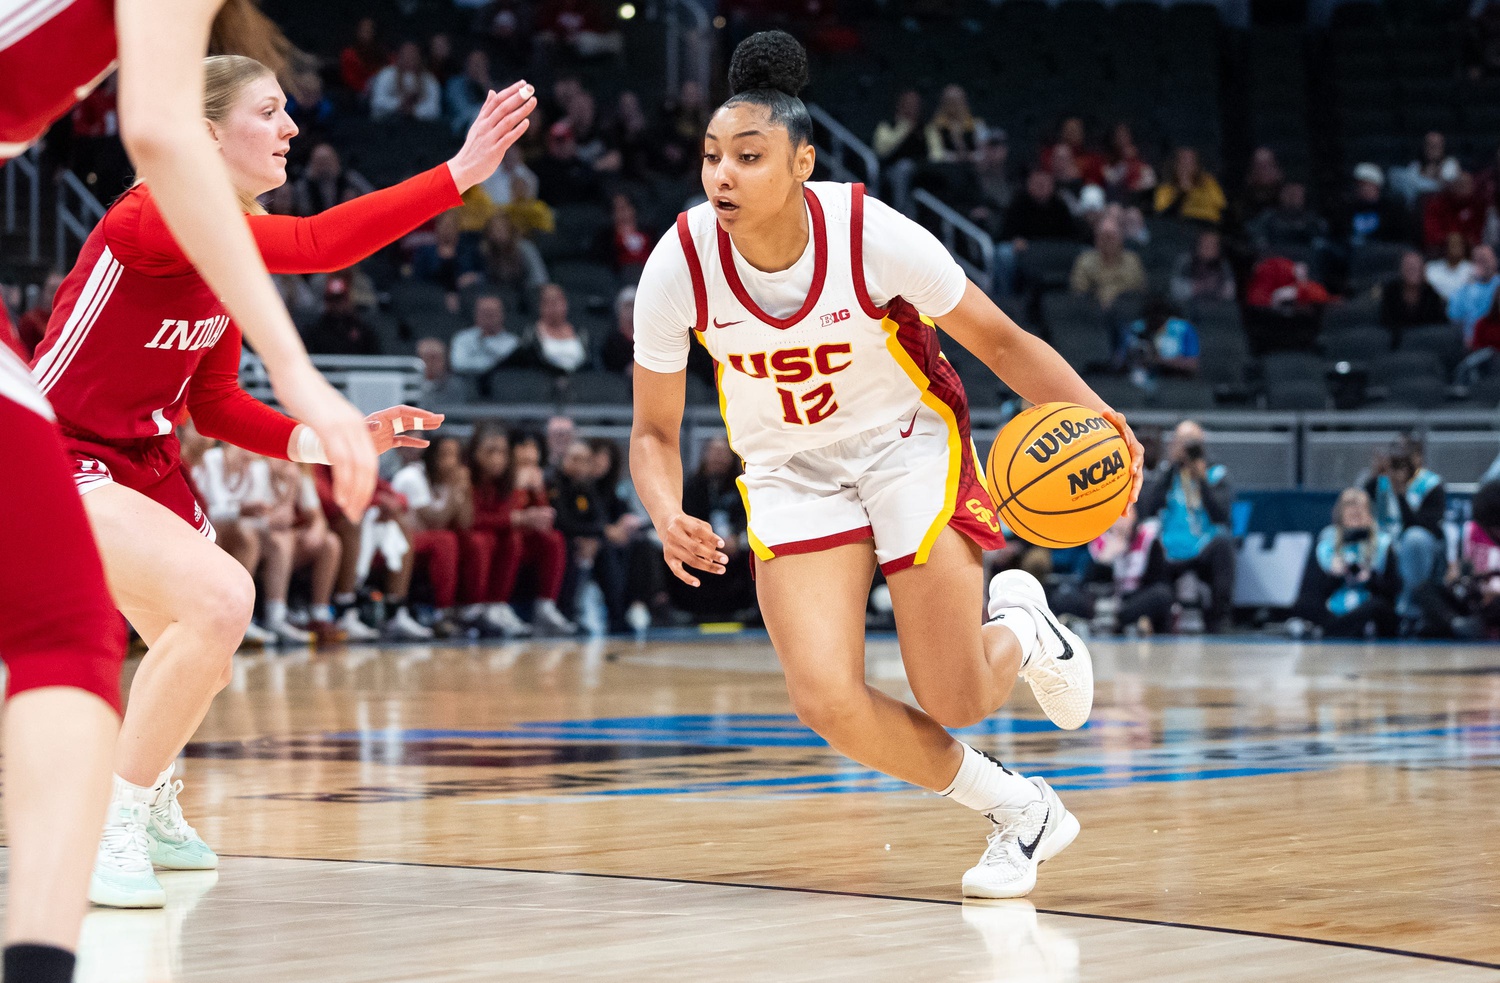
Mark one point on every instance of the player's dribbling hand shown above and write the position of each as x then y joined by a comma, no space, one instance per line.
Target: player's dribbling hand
308,398
1137,452
390,427
690,542
501,121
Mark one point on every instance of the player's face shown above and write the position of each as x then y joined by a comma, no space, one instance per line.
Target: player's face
256,136
751,172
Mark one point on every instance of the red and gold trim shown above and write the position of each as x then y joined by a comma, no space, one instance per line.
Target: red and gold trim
695,269
820,269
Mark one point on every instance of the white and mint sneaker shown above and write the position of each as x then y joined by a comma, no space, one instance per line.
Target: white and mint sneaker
122,876
174,844
1021,839
1060,671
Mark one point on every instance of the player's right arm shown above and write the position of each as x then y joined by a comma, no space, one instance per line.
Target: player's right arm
161,48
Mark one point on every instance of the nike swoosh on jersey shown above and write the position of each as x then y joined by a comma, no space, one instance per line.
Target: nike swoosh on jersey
726,324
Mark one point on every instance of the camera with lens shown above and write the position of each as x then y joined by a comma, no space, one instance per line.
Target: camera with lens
1193,452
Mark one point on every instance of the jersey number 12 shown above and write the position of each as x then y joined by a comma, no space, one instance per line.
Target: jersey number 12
817,405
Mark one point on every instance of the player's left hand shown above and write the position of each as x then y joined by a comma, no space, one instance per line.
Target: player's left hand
390,427
1137,452
501,121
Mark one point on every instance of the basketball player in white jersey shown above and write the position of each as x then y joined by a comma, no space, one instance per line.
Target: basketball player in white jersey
818,304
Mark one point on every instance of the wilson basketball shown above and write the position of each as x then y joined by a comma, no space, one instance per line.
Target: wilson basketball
1060,475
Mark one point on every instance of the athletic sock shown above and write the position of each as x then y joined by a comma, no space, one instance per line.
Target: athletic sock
345,601
30,962
130,792
984,785
323,613
1022,624
276,612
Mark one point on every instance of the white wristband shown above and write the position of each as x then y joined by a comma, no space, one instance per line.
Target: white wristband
309,448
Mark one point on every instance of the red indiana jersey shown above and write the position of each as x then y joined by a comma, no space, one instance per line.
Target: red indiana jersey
52,52
137,340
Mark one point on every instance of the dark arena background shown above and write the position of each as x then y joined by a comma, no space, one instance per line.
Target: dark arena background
1266,231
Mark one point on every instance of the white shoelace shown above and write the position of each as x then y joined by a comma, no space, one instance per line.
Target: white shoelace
174,822
1048,678
124,839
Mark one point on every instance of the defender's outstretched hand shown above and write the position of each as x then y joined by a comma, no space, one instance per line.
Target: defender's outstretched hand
501,122
393,427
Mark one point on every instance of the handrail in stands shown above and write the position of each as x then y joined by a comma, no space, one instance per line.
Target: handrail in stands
953,228
74,220
841,143
24,167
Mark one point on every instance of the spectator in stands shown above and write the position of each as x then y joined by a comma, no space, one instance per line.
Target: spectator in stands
1127,177
566,178
1284,306
954,132
1190,192
1427,175
581,516
579,26
308,105
528,214
618,351
1204,273
1108,269
97,155
486,346
341,330
384,533
237,498
1131,552
1161,344
561,433
1452,269
1088,164
440,386
325,182
441,61
1473,300
31,326
624,246
303,540
991,191
1488,184
511,262
502,186
1457,208
505,26
711,492
1407,300
440,494
444,261
1039,213
1368,214
406,89
583,120
624,568
559,346
686,119
1192,500
512,514
1350,585
1483,343
363,59
631,135
1069,181
1262,190
465,94
1409,503
901,145
1289,225
1467,604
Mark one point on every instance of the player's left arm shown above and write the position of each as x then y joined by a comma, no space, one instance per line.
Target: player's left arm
1030,366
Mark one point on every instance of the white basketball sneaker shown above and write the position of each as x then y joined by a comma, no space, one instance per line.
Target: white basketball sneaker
175,845
122,876
553,621
1022,839
355,629
503,618
1060,672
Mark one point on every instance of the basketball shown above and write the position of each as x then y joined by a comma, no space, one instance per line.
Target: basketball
1059,474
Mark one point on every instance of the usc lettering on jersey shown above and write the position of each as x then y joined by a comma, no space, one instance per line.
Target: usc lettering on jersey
838,366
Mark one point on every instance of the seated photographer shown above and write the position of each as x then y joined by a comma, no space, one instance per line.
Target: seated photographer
1350,585
1192,499
1467,604
1409,502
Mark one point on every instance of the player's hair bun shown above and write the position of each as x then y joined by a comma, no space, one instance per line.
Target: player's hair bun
768,60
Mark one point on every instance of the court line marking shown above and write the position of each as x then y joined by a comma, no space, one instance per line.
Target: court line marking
1363,947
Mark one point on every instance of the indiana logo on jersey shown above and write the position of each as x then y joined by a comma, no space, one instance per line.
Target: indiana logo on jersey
187,336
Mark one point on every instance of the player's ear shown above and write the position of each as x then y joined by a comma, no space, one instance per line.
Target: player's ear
803,160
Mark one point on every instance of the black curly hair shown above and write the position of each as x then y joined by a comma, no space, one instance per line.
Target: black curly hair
769,69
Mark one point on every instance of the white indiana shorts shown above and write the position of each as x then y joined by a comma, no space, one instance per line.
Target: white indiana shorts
900,485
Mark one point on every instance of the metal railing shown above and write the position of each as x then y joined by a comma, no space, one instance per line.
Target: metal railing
836,145
25,170
689,46
970,245
78,211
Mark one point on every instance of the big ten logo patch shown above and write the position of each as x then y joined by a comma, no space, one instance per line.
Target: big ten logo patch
983,513
834,318
793,367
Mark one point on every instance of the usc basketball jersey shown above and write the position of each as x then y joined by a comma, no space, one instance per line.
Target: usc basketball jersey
840,365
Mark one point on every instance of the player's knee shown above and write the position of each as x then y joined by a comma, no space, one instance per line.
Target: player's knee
829,709
225,599
953,709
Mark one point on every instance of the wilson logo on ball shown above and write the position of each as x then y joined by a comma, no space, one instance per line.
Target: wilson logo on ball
1048,444
1092,475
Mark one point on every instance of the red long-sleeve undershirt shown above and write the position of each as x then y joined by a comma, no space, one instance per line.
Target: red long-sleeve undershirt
330,241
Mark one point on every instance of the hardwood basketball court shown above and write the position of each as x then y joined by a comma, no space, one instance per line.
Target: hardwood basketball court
1250,810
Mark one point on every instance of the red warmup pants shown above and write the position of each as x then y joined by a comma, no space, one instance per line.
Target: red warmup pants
439,549
58,625
491,562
